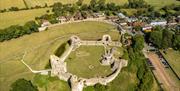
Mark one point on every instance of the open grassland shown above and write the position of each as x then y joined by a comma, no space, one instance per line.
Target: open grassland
160,3
173,58
19,17
40,46
6,4
85,62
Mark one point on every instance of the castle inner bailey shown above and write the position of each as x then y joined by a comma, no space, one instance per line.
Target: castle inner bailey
59,66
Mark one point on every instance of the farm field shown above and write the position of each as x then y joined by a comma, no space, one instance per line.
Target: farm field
160,3
20,17
6,4
157,3
32,3
173,59
87,57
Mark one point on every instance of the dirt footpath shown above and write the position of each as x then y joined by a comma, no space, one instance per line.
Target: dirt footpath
160,73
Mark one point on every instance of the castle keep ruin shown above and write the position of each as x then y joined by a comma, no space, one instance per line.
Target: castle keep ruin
59,68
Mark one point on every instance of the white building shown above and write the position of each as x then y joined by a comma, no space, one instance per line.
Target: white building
45,23
121,15
158,23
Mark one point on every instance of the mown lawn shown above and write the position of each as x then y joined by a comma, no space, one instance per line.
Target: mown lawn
40,46
6,4
19,17
80,62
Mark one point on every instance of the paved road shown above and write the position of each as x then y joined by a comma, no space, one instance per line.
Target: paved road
160,72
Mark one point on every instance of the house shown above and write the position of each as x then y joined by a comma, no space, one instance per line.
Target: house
98,15
121,15
178,19
159,23
78,16
122,22
69,18
136,23
45,23
62,19
147,28
42,28
112,18
172,21
132,19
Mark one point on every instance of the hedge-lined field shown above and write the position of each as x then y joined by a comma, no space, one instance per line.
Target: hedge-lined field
20,17
5,4
32,3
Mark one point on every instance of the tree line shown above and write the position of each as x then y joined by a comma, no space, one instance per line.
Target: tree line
136,57
164,38
16,31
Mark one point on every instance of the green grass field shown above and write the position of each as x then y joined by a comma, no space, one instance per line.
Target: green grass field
6,4
20,17
40,46
173,59
80,61
160,3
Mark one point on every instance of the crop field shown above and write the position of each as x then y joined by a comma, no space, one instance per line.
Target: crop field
40,46
6,4
19,17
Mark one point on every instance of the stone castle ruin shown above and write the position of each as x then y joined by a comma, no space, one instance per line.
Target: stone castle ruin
59,68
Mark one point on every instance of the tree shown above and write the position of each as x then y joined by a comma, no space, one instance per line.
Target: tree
31,26
57,8
79,2
138,42
176,42
84,7
93,4
156,38
23,85
14,9
101,4
167,38
99,87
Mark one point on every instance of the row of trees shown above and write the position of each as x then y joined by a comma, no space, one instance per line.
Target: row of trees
18,9
96,6
16,31
23,85
165,12
165,38
136,4
60,9
141,69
